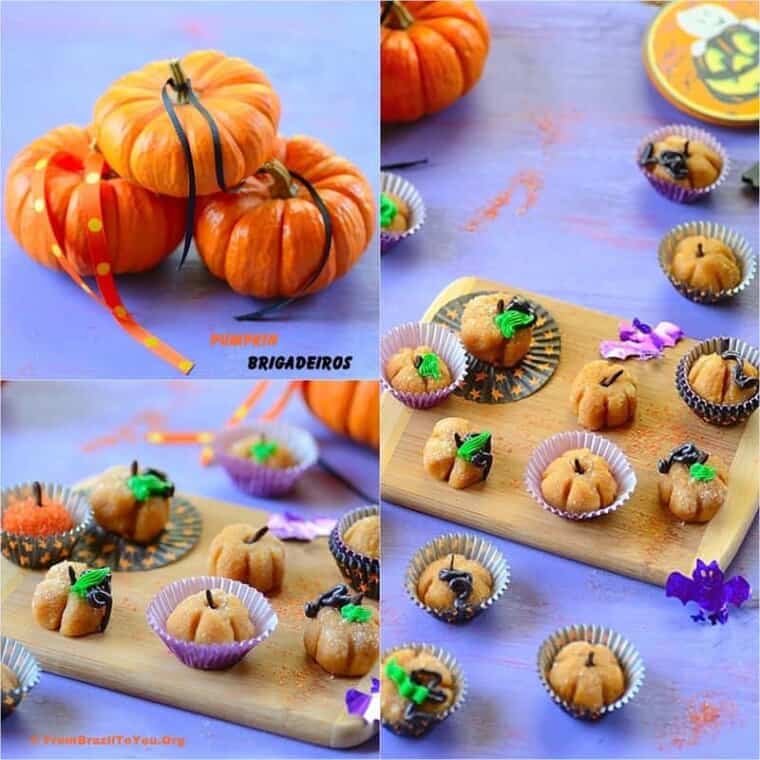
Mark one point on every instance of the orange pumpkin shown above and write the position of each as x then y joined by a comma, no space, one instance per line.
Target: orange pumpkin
349,407
141,227
266,237
431,53
134,131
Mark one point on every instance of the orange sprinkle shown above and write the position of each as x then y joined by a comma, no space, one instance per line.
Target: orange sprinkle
25,518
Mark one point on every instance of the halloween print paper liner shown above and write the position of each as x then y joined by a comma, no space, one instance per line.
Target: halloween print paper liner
361,571
38,552
488,384
716,414
210,656
669,189
24,666
392,183
444,343
740,247
552,448
256,479
99,548
422,725
628,657
471,546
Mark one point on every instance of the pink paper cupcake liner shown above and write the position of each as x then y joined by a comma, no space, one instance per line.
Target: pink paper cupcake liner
669,189
443,341
256,479
392,183
210,656
557,445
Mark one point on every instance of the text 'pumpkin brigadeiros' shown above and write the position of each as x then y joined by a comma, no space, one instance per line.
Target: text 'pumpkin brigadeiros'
141,227
134,131
431,53
266,237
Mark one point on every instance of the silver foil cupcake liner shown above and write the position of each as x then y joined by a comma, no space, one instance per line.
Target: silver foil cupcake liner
443,341
392,183
40,552
360,570
627,656
474,548
554,447
740,247
210,656
25,667
423,724
716,414
256,479
671,190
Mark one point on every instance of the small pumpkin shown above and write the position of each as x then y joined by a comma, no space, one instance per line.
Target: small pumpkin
141,227
266,237
706,264
431,54
136,135
348,407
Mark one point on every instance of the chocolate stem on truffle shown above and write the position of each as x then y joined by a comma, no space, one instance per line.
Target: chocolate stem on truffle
256,536
37,491
134,469
578,467
700,251
210,599
590,659
72,575
608,381
741,379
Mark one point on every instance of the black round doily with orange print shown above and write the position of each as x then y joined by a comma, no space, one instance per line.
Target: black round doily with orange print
487,384
99,548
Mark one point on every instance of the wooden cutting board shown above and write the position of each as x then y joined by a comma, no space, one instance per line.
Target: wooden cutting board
276,687
640,539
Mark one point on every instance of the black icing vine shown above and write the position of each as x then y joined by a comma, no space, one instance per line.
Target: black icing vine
516,303
741,379
97,596
686,453
673,161
338,597
431,680
482,458
460,583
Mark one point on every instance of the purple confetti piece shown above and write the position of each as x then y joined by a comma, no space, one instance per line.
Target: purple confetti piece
625,349
640,340
366,706
292,527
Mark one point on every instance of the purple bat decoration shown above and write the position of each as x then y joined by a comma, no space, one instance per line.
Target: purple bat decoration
641,340
364,705
291,527
709,589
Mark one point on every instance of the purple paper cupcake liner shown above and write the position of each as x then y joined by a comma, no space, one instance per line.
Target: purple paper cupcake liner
25,667
210,656
443,341
554,447
256,479
360,570
392,183
740,247
671,190
716,414
40,552
627,656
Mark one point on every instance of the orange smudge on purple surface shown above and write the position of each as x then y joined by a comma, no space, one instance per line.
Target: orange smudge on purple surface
598,229
133,431
528,180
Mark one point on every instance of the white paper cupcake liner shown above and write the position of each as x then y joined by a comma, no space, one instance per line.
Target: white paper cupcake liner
740,247
443,341
24,666
39,552
361,571
398,186
407,728
671,190
257,479
471,546
553,447
210,656
628,657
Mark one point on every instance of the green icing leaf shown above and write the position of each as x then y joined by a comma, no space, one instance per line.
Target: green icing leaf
262,450
429,367
355,613
88,579
145,486
407,688
388,211
511,320
473,445
702,472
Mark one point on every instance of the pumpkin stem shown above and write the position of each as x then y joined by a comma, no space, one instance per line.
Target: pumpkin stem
282,182
399,17
181,82
590,659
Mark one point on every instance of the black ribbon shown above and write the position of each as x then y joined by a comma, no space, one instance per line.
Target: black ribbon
387,6
402,164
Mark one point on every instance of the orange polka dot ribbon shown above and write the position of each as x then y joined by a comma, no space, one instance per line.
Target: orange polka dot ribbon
97,247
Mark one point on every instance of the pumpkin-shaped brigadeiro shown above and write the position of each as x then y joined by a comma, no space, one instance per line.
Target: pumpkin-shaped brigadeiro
454,582
132,504
431,53
587,676
498,329
603,395
141,228
458,454
212,616
264,451
73,599
692,484
137,137
394,213
266,237
724,378
706,264
348,407
363,536
579,481
688,163
417,370
342,632
249,555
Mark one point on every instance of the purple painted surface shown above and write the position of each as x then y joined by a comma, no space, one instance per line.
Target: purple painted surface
58,58
556,119
79,429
